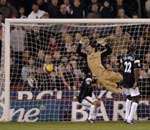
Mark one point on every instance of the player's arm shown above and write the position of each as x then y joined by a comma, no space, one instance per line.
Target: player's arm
137,69
104,45
107,51
79,50
120,63
111,39
136,76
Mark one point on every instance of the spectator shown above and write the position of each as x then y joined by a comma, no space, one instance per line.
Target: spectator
48,58
119,3
67,74
145,72
27,4
57,80
135,16
1,18
147,59
22,13
77,38
141,47
39,61
36,12
52,45
42,5
18,3
69,44
130,7
63,11
114,63
107,10
25,57
147,8
53,9
17,36
7,9
68,6
56,58
117,36
90,3
28,74
94,1
77,10
121,13
32,42
77,73
45,16
95,10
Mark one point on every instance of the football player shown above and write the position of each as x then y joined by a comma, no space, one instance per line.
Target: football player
130,68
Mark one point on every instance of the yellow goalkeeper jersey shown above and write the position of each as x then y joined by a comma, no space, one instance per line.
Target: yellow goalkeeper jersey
94,63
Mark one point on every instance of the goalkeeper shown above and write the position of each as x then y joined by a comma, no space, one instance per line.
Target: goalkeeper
105,77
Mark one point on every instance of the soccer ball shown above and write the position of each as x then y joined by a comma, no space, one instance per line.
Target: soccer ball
48,68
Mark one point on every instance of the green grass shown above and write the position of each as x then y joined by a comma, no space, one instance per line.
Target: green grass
75,126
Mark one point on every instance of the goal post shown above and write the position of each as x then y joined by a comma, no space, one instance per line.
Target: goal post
7,71
31,95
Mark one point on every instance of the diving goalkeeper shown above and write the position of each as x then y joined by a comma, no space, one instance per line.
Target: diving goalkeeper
106,78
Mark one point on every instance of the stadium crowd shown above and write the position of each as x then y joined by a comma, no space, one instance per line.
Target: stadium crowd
74,9
31,53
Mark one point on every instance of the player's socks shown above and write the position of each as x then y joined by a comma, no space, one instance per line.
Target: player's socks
92,113
127,108
96,112
132,112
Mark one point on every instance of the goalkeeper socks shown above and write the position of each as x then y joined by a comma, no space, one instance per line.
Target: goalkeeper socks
92,113
127,108
132,111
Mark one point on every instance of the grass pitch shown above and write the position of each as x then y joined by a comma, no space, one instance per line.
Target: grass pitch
75,126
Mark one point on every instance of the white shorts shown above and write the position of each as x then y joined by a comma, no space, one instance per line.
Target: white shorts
131,91
88,101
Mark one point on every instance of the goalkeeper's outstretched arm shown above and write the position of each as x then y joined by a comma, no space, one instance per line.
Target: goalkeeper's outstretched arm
86,69
107,51
79,51
105,47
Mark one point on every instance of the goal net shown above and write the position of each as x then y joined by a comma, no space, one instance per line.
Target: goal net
32,94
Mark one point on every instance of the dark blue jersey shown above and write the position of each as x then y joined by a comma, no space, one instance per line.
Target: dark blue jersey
85,89
129,63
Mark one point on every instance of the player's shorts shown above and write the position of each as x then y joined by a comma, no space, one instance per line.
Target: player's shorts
128,82
88,101
131,91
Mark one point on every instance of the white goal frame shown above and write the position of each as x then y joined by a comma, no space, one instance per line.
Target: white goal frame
32,21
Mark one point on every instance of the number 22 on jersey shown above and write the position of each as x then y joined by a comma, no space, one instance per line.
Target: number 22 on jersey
128,66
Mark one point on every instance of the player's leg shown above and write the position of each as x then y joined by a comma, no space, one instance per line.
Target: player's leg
88,102
135,95
127,107
112,76
127,103
97,104
92,115
111,86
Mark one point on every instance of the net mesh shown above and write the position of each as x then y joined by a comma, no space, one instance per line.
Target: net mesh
37,95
